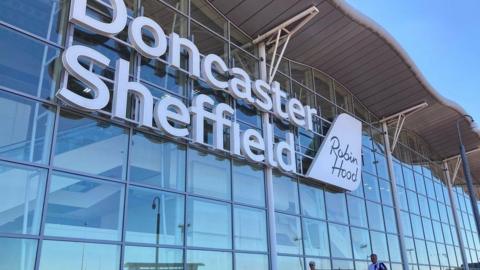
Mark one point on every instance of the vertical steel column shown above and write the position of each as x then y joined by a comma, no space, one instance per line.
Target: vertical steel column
396,203
453,203
272,230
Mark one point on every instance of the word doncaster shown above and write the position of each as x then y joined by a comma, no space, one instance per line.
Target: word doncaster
170,114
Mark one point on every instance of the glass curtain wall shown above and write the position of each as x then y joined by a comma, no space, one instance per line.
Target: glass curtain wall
84,192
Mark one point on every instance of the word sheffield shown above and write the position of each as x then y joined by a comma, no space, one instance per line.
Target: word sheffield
170,114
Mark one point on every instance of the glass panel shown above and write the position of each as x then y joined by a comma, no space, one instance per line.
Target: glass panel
416,226
318,264
17,254
151,211
157,162
340,241
21,191
290,263
389,217
201,231
209,260
163,78
245,261
379,245
302,74
285,188
138,258
26,129
421,251
208,174
370,185
245,61
76,255
394,248
336,206
313,202
375,218
26,65
209,43
289,236
169,20
357,211
240,39
84,208
343,98
202,12
250,229
361,244
91,146
385,192
315,237
248,184
342,265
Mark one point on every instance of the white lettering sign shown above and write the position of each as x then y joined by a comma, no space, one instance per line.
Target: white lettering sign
170,114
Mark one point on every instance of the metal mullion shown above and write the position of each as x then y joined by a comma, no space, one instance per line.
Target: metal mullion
232,213
156,188
150,245
162,89
19,235
24,163
300,210
125,200
81,240
25,95
93,177
31,35
172,8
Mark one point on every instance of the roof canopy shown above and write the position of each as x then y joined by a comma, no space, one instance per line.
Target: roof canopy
361,55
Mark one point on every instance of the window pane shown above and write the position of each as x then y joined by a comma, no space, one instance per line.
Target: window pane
42,18
21,191
149,211
313,202
357,212
137,258
248,184
336,207
285,190
379,245
84,208
91,146
361,244
251,261
157,162
205,14
26,129
289,263
17,253
250,229
340,241
375,218
26,65
76,255
394,248
390,219
208,174
315,236
320,264
202,232
370,184
209,260
289,236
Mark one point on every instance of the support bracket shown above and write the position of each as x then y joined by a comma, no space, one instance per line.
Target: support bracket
279,37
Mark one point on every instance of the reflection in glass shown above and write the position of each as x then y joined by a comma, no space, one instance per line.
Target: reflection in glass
394,248
286,188
209,260
289,263
315,237
336,206
208,174
361,244
340,241
245,261
157,162
79,256
390,219
357,212
21,191
26,65
289,235
137,258
248,184
17,253
250,229
379,245
26,129
313,202
375,218
209,224
91,146
142,223
84,208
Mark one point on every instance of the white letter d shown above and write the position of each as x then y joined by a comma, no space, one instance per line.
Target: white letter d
78,15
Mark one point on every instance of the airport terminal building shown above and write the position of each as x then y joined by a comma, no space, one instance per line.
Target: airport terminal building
224,135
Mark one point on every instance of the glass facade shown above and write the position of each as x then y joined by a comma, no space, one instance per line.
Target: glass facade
84,192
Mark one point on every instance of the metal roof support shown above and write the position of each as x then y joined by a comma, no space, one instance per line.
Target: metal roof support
455,170
401,116
280,36
468,153
455,214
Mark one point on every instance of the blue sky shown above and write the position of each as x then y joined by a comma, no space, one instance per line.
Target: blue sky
443,39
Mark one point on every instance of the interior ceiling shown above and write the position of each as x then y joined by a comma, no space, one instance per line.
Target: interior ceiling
367,60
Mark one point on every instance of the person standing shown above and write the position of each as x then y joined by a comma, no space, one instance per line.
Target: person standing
376,265
311,265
